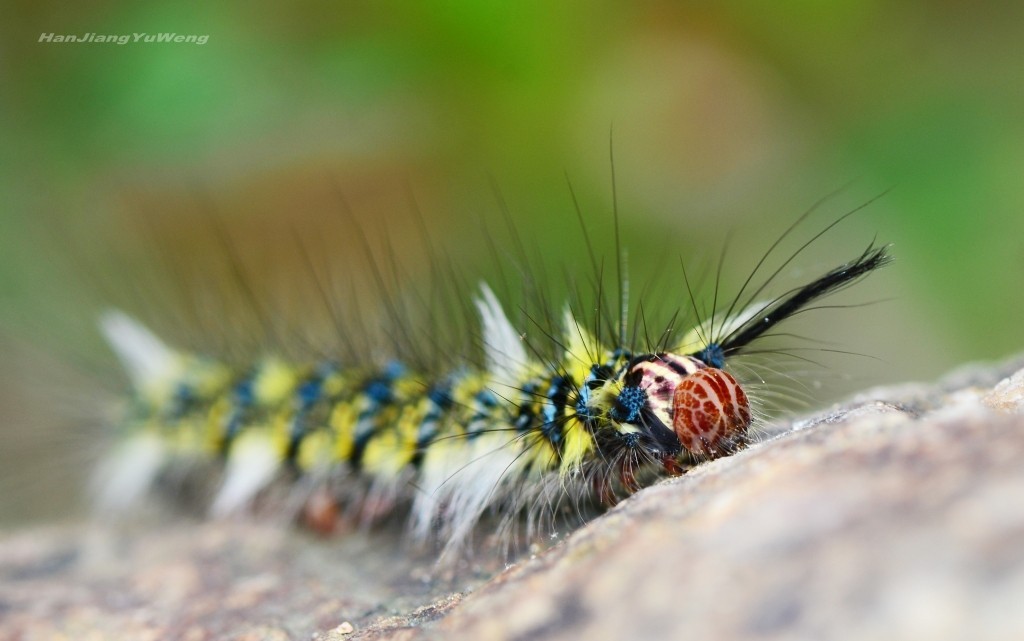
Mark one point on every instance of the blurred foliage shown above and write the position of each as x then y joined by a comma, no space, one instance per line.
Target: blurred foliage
727,118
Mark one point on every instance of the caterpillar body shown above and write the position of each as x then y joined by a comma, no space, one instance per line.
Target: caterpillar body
519,436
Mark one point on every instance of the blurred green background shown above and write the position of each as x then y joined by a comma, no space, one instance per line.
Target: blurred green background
728,118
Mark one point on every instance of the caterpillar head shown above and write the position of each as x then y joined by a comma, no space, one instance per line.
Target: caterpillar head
681,403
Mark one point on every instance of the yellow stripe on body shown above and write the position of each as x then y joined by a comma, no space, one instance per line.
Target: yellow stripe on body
315,451
577,442
275,382
343,425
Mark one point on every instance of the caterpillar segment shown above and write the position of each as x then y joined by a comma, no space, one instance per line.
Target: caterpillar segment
516,436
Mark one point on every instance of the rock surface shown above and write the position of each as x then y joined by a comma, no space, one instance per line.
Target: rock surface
897,515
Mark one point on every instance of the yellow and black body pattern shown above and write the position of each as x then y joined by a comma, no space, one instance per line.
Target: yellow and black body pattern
519,433
379,421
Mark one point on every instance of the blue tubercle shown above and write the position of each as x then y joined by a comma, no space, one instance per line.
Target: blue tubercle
379,391
309,392
244,393
713,356
628,404
394,369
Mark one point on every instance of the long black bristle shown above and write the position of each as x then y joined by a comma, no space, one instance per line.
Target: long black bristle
777,311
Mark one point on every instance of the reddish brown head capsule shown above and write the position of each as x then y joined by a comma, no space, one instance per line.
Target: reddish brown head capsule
709,411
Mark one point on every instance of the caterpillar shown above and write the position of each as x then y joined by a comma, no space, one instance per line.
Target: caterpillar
568,415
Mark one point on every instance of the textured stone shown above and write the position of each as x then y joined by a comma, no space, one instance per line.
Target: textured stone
896,515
